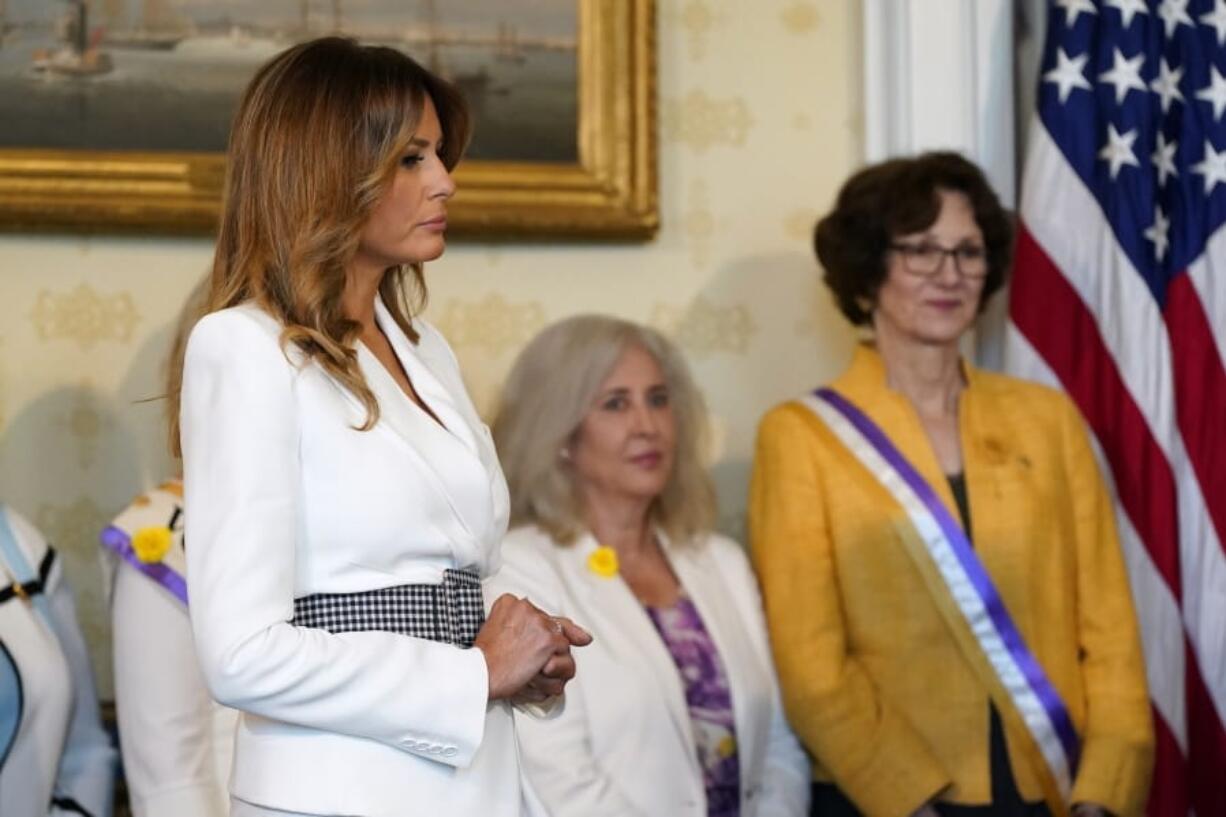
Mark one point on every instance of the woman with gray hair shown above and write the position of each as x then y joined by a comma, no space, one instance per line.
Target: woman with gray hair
676,708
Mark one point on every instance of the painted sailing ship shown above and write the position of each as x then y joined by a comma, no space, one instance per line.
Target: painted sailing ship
143,24
335,22
472,83
79,56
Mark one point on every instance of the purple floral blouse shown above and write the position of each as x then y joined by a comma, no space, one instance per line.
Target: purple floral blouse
710,703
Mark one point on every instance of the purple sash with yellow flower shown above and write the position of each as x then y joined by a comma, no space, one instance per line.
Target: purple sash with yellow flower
967,598
148,535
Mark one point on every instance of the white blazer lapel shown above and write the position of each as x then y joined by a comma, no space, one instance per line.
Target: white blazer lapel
460,475
395,409
429,383
431,453
640,642
435,374
711,594
432,368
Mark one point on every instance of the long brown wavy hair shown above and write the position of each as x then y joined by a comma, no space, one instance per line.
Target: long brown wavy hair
316,142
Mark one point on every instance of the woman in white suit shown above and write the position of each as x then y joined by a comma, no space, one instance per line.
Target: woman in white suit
343,499
675,708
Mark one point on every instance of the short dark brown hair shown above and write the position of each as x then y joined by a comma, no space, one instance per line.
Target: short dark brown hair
894,198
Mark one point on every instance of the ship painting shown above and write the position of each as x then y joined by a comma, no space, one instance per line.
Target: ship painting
145,24
79,54
166,75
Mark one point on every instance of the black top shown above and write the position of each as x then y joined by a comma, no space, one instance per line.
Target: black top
1006,799
957,484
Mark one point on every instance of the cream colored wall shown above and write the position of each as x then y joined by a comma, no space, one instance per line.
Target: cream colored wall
759,123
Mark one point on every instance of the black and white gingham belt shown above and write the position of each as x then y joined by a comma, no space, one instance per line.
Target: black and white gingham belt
451,612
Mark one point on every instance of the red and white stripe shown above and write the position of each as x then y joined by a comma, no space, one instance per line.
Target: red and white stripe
1152,387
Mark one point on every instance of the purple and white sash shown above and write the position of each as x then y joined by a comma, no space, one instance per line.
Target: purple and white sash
158,513
971,592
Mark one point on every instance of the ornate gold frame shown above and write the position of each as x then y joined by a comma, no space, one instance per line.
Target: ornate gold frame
609,193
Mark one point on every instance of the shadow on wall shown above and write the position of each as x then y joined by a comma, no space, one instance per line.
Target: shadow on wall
94,452
141,401
762,331
86,465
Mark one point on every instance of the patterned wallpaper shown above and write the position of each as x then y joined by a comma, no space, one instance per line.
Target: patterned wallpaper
760,121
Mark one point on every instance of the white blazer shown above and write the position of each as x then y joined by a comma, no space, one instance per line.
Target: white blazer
286,498
623,744
54,754
178,744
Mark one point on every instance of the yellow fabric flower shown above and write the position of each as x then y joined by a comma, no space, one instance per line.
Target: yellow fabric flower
152,544
727,746
603,562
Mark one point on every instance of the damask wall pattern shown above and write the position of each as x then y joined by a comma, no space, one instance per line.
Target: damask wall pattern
696,19
702,122
85,316
704,329
759,123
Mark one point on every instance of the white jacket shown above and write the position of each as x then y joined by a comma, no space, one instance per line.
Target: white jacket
623,744
54,754
178,743
286,498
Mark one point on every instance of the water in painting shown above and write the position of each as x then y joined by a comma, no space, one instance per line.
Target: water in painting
165,75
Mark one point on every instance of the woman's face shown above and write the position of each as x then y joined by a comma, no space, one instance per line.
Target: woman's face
933,309
625,446
409,222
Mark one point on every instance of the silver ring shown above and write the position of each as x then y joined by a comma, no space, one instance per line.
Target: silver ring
557,625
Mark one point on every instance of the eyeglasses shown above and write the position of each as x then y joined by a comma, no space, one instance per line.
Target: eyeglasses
926,259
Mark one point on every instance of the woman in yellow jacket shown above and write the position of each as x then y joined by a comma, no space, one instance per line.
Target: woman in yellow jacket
947,600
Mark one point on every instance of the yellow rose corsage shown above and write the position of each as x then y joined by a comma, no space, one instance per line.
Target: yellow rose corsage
152,544
603,562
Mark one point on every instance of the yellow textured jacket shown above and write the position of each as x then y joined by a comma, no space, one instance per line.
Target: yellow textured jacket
873,681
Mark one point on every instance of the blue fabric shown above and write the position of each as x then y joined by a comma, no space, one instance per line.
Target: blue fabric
13,556
10,680
11,702
19,566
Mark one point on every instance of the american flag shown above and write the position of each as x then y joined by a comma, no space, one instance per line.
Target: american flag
1119,298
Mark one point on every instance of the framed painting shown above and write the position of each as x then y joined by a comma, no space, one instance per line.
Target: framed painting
115,112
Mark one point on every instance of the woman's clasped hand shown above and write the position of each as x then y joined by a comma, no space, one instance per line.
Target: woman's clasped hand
527,651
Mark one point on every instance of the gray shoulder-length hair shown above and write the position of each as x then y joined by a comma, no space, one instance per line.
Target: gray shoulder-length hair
552,387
